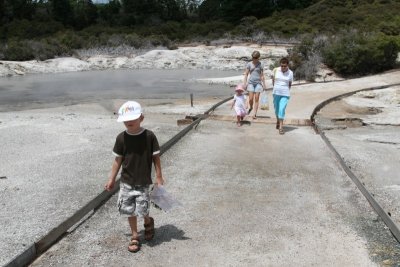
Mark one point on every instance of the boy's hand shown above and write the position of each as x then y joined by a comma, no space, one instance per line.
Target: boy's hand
109,185
159,180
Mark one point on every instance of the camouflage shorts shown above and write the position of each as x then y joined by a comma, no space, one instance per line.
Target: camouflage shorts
133,200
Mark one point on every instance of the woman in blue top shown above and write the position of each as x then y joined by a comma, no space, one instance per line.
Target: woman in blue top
256,82
282,81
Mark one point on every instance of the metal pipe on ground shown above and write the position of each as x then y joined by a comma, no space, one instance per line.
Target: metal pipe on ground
394,229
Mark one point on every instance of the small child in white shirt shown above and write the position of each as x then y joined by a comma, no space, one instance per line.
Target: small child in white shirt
240,104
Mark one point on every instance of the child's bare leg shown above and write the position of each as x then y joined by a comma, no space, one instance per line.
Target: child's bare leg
256,100
238,121
133,224
134,245
251,96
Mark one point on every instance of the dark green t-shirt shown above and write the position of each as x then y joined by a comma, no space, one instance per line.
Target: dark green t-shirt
137,151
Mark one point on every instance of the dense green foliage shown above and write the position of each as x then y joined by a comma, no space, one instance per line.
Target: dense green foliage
234,10
347,53
360,53
42,29
331,16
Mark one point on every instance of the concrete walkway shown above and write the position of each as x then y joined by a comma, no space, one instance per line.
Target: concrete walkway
251,196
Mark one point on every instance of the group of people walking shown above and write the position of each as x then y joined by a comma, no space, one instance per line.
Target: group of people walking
254,84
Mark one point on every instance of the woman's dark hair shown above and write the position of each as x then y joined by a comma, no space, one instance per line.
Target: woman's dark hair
255,54
284,60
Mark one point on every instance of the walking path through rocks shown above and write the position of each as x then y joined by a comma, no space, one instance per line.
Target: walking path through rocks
250,196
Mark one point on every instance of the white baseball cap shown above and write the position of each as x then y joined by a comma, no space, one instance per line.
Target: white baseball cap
129,111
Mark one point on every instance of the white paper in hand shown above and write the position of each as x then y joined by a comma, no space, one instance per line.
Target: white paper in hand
163,199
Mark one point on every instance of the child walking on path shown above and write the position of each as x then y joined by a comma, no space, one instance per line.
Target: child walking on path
239,102
135,149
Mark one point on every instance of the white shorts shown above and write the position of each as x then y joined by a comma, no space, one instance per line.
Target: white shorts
255,88
133,200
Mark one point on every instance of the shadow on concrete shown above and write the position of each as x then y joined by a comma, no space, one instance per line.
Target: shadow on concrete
244,122
263,117
165,233
289,128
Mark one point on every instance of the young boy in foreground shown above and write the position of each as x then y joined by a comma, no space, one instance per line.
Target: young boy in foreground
135,150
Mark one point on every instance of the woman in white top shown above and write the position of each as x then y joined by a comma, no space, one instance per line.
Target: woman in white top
256,82
282,82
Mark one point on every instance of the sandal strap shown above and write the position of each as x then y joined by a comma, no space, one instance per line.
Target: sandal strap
134,242
149,230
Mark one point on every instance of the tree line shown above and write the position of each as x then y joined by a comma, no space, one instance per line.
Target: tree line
79,14
351,36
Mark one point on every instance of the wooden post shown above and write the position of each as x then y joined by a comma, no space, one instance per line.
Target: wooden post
191,99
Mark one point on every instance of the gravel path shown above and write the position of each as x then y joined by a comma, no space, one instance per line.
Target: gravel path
243,206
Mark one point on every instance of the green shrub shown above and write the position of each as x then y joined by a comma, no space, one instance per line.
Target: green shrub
134,40
391,27
19,29
18,51
47,49
306,57
203,29
360,54
97,30
172,29
25,29
70,39
158,40
33,49
115,40
246,27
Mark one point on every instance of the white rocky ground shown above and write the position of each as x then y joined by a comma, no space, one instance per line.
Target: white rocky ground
386,101
199,57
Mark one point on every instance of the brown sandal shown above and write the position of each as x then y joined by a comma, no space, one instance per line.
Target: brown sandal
134,245
149,230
